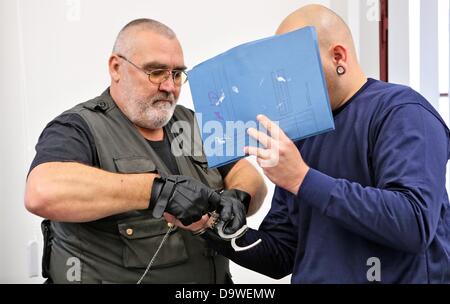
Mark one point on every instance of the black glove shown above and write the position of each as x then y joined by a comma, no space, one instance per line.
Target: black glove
233,209
184,197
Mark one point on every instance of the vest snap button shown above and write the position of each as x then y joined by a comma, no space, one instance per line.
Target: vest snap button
129,231
102,105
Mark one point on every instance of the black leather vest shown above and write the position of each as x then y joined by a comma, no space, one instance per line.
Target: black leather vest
117,249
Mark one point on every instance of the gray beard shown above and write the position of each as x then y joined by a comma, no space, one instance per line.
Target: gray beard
151,114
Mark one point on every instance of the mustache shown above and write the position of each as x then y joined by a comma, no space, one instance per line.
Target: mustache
163,96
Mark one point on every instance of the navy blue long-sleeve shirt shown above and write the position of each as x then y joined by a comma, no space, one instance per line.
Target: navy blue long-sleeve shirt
376,189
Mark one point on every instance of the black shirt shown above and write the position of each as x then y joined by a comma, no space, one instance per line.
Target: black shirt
67,138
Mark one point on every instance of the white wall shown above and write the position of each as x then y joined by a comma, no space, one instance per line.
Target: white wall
399,42
413,46
54,55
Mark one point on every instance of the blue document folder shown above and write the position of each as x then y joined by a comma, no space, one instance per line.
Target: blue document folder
280,77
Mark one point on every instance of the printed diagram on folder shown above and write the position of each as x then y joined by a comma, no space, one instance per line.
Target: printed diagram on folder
280,77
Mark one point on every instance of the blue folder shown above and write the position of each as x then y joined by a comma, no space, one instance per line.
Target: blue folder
280,77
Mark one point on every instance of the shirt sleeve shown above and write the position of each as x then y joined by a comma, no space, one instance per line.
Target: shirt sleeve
409,166
225,169
275,255
66,139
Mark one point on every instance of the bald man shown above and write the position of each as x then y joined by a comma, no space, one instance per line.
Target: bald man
104,174
365,203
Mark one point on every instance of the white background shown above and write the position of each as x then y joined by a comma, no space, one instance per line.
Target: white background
54,55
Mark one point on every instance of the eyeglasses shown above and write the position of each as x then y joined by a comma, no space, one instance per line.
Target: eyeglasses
158,76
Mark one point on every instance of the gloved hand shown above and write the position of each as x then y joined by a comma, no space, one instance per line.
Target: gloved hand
184,197
233,209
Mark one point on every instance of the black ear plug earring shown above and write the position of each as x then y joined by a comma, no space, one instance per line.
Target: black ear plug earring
340,70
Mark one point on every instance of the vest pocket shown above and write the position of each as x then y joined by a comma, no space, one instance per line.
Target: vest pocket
142,238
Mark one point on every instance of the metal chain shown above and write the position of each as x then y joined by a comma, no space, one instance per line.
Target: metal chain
171,227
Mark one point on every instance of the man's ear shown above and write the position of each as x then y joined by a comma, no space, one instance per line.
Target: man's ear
340,55
114,65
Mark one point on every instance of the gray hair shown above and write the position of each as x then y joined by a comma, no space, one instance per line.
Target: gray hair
122,44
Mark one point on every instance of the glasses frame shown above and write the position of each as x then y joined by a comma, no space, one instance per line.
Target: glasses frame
149,74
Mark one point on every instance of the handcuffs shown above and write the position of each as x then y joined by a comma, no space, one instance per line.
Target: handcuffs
217,225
